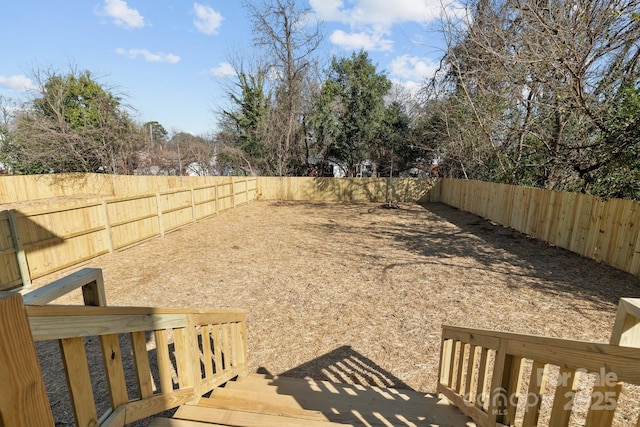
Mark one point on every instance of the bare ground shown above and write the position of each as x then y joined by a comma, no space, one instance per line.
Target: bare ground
327,282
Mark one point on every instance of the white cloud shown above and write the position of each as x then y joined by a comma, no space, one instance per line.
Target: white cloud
381,12
413,68
149,56
410,87
361,40
371,20
207,20
223,69
17,83
328,10
122,14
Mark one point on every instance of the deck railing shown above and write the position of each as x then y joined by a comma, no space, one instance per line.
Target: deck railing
503,379
205,348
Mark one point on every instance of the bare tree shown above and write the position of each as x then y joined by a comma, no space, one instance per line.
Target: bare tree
289,42
73,124
530,86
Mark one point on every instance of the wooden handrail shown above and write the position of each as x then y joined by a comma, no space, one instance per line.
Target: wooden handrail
483,373
185,340
89,279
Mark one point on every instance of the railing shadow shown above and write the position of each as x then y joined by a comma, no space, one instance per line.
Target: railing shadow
498,248
345,386
440,235
345,365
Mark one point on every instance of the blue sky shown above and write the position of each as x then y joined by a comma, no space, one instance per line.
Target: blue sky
171,57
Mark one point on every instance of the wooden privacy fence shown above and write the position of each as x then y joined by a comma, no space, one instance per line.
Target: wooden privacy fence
603,230
35,242
22,188
358,190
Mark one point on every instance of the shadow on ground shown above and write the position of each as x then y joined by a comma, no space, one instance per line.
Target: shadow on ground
347,387
344,365
444,236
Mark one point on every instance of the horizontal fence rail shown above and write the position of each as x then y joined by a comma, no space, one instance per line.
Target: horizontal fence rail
38,240
604,230
351,190
116,212
25,188
511,379
195,351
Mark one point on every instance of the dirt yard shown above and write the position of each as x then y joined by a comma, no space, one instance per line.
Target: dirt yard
327,282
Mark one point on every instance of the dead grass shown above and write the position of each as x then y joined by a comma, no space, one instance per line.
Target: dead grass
321,281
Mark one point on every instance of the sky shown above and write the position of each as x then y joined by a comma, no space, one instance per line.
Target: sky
170,59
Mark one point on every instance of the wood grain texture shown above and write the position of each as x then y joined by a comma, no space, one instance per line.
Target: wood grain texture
23,398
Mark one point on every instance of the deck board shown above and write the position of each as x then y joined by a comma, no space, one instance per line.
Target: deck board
257,400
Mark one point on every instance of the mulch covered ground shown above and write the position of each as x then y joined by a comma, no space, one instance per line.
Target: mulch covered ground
358,292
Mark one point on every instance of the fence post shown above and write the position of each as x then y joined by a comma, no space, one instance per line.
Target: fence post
233,192
215,198
107,225
20,254
159,209
23,398
193,206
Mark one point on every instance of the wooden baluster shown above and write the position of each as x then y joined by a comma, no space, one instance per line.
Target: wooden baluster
164,361
243,348
497,404
604,398
513,388
74,359
447,347
217,349
460,367
112,357
469,378
141,359
482,377
563,399
206,352
537,384
226,347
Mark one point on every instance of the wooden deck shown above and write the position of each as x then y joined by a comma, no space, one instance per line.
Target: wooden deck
482,373
258,400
